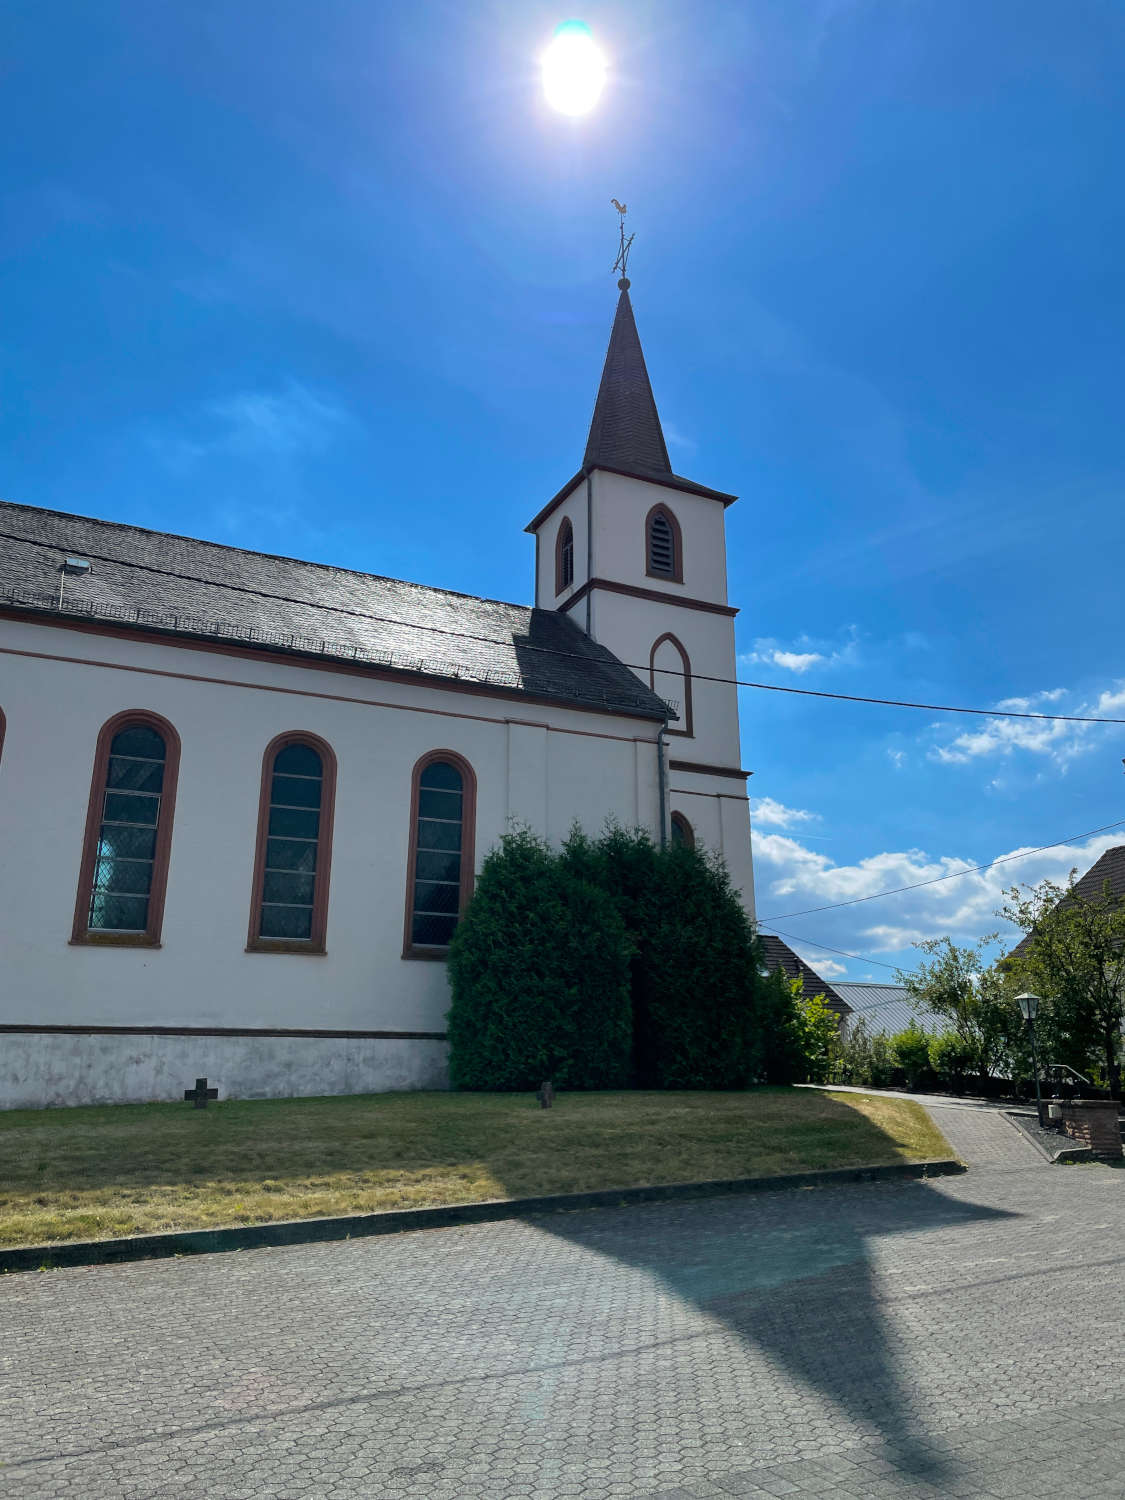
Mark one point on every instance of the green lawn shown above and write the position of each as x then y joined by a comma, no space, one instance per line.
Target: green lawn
97,1173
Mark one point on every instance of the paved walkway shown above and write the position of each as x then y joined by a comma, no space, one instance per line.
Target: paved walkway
960,1337
984,1138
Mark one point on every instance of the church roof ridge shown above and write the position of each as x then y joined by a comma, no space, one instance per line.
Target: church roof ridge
207,591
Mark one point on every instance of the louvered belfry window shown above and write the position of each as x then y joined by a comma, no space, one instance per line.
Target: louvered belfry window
661,546
289,875
130,816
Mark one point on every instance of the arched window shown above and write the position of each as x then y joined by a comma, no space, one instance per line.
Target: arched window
669,672
289,906
440,873
3,727
124,869
663,545
682,831
564,557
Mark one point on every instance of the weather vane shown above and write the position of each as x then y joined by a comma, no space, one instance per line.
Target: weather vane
622,262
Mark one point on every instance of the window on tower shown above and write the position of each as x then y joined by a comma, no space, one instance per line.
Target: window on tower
564,557
663,551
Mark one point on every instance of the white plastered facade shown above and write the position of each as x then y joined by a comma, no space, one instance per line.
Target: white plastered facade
631,612
209,1006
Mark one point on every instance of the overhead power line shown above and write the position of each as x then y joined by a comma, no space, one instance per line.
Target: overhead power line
525,647
824,948
917,885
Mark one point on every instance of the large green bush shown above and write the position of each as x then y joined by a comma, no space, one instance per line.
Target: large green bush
539,972
609,963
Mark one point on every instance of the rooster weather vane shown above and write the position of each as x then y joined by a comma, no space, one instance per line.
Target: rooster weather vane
622,262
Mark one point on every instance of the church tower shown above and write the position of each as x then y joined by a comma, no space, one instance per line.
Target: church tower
636,556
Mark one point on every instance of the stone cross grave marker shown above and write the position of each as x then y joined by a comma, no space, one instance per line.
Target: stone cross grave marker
200,1094
546,1095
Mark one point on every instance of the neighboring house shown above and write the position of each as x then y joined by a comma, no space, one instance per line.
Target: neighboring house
198,736
1109,868
779,955
885,1009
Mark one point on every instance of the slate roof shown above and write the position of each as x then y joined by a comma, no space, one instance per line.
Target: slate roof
1111,867
158,581
779,955
886,1008
625,432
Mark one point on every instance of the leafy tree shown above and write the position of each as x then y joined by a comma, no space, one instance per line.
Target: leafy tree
1076,960
952,1057
961,987
817,1028
912,1053
539,973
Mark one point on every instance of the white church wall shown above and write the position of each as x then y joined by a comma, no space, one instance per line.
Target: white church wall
573,509
621,506
719,814
226,708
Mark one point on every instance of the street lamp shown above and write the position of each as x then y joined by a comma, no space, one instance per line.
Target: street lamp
1029,1009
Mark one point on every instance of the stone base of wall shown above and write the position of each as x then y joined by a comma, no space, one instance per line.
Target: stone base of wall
42,1069
1093,1123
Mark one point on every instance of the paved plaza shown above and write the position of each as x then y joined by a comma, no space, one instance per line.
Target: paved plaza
958,1337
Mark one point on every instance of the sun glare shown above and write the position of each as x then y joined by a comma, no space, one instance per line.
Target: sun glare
573,69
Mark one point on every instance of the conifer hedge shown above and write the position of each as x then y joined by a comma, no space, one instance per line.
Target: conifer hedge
608,964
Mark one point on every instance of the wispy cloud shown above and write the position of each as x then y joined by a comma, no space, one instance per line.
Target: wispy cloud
800,655
1058,740
767,812
678,439
270,424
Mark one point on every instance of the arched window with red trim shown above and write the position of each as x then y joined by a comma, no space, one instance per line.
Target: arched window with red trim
682,831
442,837
664,553
293,858
564,556
124,869
669,675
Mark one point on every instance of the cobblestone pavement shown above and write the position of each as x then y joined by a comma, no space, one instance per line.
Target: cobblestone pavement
960,1337
983,1138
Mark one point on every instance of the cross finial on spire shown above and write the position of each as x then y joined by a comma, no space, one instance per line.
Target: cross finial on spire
622,261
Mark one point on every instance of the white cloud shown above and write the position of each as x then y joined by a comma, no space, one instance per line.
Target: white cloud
1059,740
802,654
766,811
255,424
791,878
897,758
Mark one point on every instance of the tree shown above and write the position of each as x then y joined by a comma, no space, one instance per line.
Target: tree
1075,959
960,986
539,974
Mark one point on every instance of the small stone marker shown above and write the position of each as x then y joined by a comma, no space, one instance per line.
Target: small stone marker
546,1095
200,1094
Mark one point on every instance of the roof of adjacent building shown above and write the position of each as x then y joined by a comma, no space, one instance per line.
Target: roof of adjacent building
886,1008
157,581
1109,869
778,955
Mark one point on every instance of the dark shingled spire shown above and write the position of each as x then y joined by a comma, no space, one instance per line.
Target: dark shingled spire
625,432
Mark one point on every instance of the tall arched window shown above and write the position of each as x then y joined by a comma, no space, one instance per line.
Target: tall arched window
440,873
564,556
289,906
124,869
682,831
663,545
3,727
669,671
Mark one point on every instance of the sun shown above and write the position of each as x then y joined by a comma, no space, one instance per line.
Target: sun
573,69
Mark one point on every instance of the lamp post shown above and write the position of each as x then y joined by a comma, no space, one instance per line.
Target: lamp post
1029,1009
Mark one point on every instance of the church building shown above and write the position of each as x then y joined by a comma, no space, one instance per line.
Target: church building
243,797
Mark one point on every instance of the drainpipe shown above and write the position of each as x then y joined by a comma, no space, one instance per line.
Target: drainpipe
589,548
662,777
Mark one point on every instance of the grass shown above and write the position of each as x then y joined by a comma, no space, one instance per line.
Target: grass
102,1172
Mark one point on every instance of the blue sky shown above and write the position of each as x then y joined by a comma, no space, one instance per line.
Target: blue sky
332,281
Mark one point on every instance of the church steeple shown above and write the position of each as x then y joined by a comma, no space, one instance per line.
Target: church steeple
625,433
